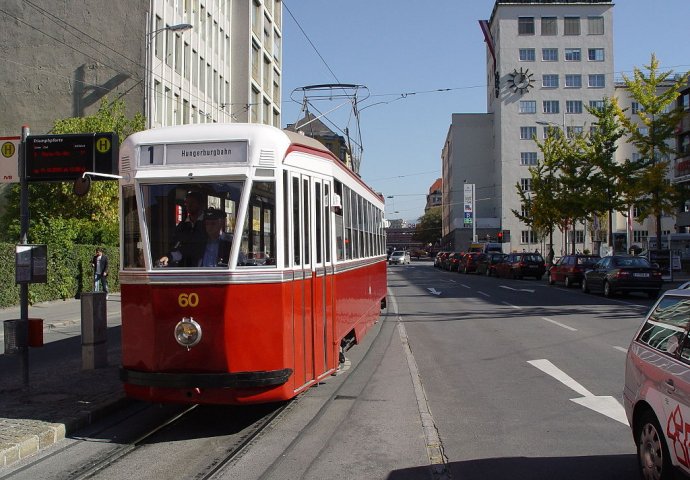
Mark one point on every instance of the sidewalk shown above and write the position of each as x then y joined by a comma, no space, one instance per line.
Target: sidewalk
61,397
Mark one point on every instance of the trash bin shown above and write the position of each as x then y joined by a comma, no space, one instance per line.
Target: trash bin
16,333
35,332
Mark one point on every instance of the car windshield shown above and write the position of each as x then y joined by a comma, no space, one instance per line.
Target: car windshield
587,260
397,254
532,258
631,262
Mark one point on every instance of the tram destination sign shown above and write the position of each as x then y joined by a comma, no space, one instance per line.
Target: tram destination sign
60,158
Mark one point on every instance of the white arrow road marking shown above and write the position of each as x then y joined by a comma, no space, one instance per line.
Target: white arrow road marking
606,405
517,289
434,291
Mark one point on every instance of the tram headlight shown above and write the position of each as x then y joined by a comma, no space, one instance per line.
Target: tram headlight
187,332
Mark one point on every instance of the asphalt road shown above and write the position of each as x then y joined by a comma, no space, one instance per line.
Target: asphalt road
520,375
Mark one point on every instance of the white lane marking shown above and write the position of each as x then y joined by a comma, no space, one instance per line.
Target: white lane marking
434,291
529,290
624,350
434,445
604,404
465,286
511,305
560,324
482,293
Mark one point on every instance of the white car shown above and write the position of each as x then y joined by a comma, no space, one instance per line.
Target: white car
399,258
657,387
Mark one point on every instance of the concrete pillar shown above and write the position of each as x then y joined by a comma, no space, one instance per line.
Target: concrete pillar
94,330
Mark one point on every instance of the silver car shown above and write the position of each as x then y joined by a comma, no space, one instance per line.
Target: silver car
399,257
657,387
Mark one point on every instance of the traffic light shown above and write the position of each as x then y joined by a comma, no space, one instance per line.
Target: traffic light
500,236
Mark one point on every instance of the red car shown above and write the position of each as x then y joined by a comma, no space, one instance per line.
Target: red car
519,265
470,261
570,269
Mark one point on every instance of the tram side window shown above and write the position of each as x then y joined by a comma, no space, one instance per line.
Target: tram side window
339,223
347,216
133,248
258,247
327,222
296,246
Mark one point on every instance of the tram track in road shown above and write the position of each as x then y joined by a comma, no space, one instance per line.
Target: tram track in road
238,441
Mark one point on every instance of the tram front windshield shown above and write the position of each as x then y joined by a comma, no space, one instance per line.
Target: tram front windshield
195,225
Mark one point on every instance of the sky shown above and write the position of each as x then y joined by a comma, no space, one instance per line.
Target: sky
423,61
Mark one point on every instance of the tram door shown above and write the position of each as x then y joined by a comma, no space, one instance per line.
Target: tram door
312,278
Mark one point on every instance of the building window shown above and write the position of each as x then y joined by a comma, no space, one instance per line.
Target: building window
634,108
549,26
572,55
549,80
526,26
596,104
528,106
526,184
528,158
551,106
573,106
640,236
528,236
549,54
597,81
595,54
573,131
595,25
571,25
573,81
527,55
528,133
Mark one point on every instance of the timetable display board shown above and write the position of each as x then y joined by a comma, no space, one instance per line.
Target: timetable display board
59,158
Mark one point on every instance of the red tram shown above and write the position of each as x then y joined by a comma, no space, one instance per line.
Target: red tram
251,259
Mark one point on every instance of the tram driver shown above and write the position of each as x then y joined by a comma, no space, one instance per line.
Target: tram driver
217,249
189,238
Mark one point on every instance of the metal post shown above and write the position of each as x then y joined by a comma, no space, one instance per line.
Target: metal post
23,240
474,215
94,330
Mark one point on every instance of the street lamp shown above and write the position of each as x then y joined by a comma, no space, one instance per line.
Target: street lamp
180,27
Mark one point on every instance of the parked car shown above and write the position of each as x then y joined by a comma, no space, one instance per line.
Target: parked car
453,261
656,395
438,260
469,262
487,264
623,273
399,257
570,269
519,265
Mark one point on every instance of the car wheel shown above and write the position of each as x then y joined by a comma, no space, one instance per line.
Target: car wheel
550,279
652,453
608,291
568,282
584,286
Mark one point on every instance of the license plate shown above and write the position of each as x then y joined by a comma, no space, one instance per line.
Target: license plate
641,275
533,266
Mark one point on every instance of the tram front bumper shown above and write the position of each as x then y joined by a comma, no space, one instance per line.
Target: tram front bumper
267,378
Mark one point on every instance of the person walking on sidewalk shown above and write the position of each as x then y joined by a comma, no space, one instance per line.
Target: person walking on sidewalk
100,272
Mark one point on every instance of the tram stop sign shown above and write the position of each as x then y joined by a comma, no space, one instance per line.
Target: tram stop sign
60,158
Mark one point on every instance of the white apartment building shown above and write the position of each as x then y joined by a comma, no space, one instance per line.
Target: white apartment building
175,61
225,68
546,61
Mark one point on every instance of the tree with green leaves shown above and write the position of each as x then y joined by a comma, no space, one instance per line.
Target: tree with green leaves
608,180
92,219
539,210
428,228
656,93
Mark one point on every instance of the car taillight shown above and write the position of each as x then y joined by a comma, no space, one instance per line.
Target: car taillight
656,274
522,264
622,274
